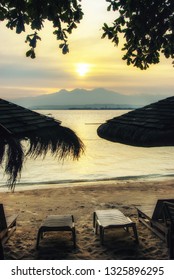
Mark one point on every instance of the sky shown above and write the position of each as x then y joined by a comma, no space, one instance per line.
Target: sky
91,63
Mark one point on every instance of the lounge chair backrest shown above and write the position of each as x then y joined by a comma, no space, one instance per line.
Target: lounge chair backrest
159,209
169,213
3,223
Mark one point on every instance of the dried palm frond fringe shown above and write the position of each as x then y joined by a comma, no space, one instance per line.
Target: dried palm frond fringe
149,126
11,153
62,142
135,136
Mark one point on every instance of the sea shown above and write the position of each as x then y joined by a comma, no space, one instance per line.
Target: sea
102,160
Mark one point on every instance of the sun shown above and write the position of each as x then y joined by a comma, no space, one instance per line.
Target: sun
82,69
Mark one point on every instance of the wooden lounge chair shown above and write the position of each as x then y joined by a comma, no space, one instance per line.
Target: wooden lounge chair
105,219
7,227
169,220
57,223
153,218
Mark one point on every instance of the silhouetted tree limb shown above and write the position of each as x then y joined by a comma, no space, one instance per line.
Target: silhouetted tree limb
64,15
147,27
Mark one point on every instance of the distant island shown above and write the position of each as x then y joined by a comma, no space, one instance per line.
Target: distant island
85,107
82,99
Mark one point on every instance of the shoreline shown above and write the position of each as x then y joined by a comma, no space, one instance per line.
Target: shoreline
82,200
72,183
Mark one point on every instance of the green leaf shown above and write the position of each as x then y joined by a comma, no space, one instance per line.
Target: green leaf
31,53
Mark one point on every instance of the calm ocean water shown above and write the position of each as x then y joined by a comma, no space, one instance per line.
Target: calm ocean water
103,160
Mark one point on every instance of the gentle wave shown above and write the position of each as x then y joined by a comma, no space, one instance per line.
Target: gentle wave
122,178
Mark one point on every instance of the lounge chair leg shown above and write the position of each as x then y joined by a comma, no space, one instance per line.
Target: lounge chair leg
95,224
96,228
135,233
38,238
74,237
170,245
94,219
1,252
101,235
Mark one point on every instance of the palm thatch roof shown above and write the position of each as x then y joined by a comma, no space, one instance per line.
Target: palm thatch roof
42,132
150,126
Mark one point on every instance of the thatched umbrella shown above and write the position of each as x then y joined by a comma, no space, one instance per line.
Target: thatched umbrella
42,132
150,126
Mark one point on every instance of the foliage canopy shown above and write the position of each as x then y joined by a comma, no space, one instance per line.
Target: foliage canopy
64,16
147,26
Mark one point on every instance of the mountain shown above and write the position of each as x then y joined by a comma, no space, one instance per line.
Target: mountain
81,98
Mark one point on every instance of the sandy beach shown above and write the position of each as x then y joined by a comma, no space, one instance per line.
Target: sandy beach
81,201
